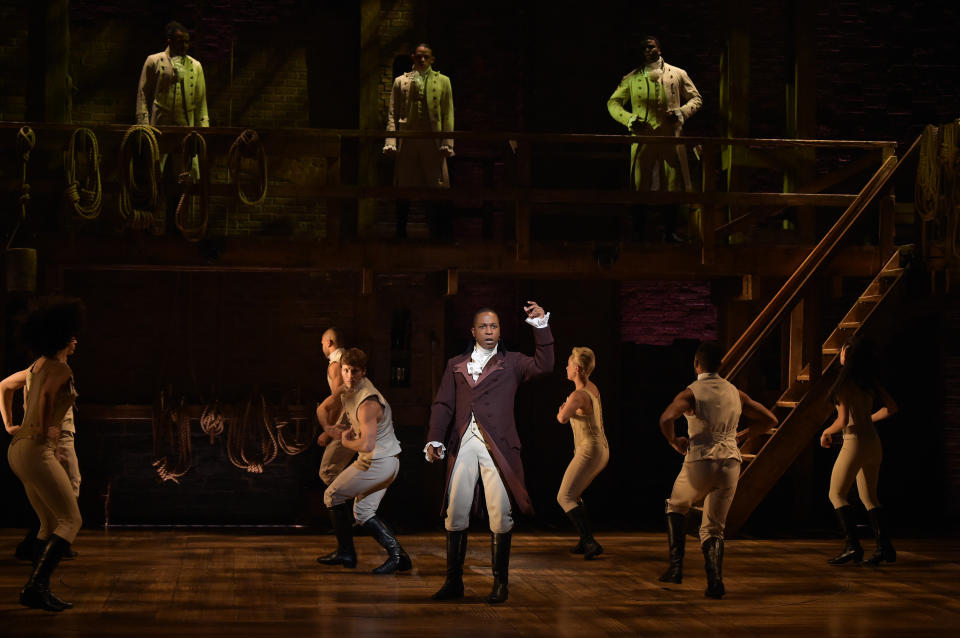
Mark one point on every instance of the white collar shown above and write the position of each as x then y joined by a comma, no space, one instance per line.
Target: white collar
483,352
707,375
335,355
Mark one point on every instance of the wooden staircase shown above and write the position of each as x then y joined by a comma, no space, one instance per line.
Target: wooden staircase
804,406
811,366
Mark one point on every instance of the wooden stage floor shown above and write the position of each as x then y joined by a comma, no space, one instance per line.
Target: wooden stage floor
205,583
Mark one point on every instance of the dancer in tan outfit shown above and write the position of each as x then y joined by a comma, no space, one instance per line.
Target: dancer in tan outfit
50,332
711,465
336,457
855,392
583,411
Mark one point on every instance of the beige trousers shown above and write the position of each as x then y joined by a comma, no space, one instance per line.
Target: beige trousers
474,462
711,480
859,460
48,488
68,458
366,484
587,462
335,458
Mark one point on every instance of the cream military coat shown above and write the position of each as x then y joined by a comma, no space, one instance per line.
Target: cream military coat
675,89
439,106
157,91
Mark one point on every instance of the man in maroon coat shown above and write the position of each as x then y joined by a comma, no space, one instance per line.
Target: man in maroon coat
471,422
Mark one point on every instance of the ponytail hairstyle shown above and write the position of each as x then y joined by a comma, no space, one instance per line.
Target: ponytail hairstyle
860,371
584,358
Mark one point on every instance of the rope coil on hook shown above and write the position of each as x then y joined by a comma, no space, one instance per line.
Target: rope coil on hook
927,185
192,145
26,142
139,218
248,146
73,192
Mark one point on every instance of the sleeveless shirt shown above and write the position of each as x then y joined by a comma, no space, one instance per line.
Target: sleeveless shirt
62,404
588,429
712,427
387,443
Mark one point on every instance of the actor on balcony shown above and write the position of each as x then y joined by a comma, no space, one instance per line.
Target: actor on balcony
472,424
583,411
172,90
662,98
421,100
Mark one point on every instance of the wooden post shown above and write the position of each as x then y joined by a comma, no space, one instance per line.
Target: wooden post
802,107
710,216
795,347
887,204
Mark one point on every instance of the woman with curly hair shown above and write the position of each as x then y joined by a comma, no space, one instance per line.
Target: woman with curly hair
855,392
51,333
583,411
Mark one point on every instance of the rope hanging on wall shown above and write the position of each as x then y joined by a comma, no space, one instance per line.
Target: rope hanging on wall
296,446
171,426
248,146
927,186
243,434
139,218
190,221
212,420
26,142
74,193
950,163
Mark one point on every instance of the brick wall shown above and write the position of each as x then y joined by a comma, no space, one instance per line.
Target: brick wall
658,313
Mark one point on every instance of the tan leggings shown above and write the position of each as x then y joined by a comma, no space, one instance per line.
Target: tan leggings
48,488
859,459
713,481
587,462
336,457
365,484
68,458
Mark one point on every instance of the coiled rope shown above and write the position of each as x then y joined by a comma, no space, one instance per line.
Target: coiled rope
139,218
194,226
171,425
26,142
212,420
241,432
74,193
248,146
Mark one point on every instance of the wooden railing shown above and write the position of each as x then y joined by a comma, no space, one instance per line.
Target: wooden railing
791,291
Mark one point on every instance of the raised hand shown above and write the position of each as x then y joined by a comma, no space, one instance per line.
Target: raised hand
533,310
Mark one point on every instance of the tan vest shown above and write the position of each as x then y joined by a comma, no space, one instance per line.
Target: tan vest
712,427
62,405
387,443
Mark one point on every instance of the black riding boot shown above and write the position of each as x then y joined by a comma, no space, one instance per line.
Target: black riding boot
713,562
676,539
588,545
36,593
397,559
500,558
456,552
852,551
342,518
885,550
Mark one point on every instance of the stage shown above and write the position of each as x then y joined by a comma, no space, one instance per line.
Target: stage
206,583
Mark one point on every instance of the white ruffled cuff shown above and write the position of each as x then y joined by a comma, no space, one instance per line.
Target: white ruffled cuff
539,322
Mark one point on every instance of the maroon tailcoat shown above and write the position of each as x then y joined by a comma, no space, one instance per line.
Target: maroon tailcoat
490,398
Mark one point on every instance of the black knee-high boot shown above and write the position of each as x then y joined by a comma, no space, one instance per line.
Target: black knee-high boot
676,540
30,547
588,545
342,518
36,593
885,550
500,558
852,551
397,559
713,563
456,552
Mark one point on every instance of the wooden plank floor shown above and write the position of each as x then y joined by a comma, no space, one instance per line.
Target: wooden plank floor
177,583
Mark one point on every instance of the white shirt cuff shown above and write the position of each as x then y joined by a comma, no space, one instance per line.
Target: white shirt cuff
436,444
539,322
389,147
